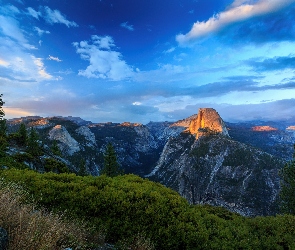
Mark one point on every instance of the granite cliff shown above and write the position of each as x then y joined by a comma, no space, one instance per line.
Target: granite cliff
207,167
207,121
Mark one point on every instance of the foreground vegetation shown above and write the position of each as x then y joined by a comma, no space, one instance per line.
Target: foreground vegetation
31,229
128,208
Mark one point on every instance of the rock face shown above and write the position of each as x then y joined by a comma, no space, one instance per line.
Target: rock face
278,141
207,120
3,239
137,149
89,136
67,143
206,167
218,171
264,128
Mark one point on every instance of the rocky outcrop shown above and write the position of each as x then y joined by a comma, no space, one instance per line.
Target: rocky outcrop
3,239
264,128
207,121
290,128
89,136
278,141
67,143
218,171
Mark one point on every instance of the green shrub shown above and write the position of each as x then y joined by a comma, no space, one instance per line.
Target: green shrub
52,165
130,209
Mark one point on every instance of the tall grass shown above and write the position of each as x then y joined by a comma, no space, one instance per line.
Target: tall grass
31,229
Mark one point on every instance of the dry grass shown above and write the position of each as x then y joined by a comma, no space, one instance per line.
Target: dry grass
31,229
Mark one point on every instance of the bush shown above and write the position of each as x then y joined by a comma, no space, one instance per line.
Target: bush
52,165
137,212
31,229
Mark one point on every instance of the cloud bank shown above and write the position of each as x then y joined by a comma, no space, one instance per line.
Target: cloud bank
239,11
104,62
51,16
272,64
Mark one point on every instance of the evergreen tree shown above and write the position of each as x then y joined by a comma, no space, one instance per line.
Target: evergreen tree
287,193
111,166
55,149
3,129
2,113
33,144
22,135
82,168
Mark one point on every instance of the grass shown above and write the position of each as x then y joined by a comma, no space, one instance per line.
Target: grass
31,229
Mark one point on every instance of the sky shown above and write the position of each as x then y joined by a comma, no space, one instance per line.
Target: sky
141,61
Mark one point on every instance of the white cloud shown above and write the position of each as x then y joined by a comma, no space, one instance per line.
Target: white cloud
239,11
34,13
127,26
40,31
40,68
103,42
54,16
10,27
104,62
9,10
21,66
52,58
169,50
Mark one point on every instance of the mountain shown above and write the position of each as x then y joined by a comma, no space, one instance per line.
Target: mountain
206,166
276,138
206,160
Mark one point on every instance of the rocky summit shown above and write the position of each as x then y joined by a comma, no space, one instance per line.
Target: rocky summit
207,121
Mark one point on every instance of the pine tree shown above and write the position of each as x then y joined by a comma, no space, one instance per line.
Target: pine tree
2,113
111,166
82,168
287,193
55,149
3,129
22,135
33,144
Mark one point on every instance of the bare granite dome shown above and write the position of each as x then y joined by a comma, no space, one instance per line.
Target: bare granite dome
207,120
67,142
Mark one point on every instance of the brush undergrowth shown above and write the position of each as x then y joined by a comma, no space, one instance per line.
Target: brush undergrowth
31,229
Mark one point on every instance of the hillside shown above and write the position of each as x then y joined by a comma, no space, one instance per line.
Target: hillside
131,211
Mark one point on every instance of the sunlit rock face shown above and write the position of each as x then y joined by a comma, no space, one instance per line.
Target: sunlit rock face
66,142
291,128
207,121
263,128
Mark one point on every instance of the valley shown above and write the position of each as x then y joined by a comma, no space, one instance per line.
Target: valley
203,158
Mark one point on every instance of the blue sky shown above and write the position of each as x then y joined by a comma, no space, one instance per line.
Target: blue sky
141,61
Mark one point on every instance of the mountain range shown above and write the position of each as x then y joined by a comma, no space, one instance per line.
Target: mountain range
203,158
